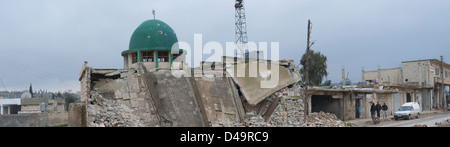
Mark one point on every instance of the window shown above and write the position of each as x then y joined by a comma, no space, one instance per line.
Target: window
133,58
163,56
147,56
436,71
446,74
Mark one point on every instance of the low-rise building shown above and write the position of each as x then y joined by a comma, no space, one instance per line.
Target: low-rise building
38,105
416,81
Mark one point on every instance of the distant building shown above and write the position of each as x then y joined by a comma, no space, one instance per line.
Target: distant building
9,106
417,81
38,105
31,105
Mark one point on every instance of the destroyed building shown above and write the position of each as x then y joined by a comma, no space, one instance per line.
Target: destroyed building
155,88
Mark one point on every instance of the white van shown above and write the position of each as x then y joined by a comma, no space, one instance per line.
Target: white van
408,110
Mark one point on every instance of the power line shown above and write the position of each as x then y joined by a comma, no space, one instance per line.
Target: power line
35,72
31,68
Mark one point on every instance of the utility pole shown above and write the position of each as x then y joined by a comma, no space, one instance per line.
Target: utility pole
308,45
442,84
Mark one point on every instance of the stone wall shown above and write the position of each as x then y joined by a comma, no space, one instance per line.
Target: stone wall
30,108
33,120
85,81
77,116
57,119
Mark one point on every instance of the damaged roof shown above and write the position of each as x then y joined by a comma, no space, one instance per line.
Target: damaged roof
256,89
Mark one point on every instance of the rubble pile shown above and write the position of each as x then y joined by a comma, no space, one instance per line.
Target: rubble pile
120,102
445,123
289,113
103,113
419,125
323,119
255,121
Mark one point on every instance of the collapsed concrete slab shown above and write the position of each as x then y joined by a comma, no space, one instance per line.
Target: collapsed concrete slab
258,80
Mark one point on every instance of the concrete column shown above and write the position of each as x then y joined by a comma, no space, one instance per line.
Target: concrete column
171,59
139,56
9,109
309,103
156,59
125,62
130,60
1,109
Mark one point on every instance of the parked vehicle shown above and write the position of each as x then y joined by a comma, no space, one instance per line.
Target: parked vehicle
408,110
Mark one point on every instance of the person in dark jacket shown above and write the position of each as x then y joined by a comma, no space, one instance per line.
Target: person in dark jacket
372,109
378,108
384,108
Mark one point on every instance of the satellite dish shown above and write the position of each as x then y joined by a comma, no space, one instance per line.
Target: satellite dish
25,95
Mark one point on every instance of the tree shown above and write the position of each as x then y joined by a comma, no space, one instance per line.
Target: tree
317,67
327,83
69,97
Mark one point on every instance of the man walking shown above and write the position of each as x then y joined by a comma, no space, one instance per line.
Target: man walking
378,108
384,108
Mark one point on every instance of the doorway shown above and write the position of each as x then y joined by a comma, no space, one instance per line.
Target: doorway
326,103
358,113
408,97
397,101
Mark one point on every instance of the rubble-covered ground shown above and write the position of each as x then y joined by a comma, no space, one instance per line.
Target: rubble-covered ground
445,123
323,119
290,113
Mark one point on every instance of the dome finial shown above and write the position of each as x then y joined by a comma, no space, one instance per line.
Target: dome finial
154,14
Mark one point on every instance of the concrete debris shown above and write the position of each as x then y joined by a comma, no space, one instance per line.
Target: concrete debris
290,113
323,119
289,64
445,123
255,121
419,125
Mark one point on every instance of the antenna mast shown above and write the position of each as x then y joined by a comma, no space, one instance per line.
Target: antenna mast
154,14
241,29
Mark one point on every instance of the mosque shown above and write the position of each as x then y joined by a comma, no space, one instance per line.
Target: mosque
151,44
146,93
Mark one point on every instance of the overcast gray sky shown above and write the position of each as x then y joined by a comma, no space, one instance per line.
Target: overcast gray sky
45,42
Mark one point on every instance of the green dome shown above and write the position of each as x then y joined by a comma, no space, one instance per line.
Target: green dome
152,35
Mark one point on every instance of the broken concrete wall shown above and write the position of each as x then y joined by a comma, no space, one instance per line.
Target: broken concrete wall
77,116
220,99
254,87
121,102
178,97
288,111
85,81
